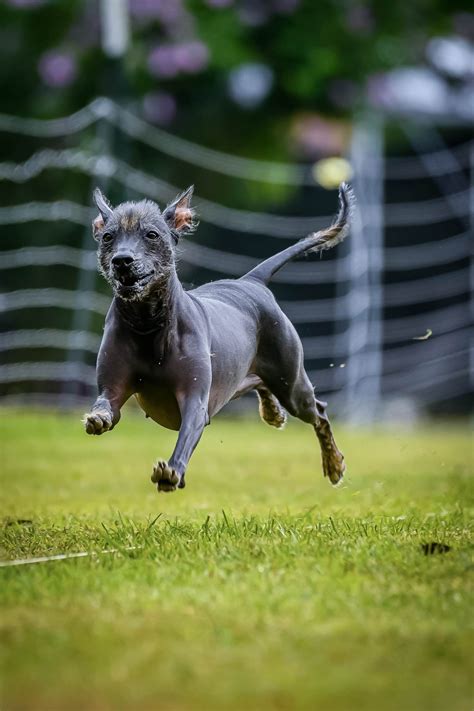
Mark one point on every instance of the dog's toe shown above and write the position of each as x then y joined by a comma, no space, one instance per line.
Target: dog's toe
97,422
334,468
165,477
158,470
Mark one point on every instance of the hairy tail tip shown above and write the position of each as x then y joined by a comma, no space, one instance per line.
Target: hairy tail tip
346,202
338,231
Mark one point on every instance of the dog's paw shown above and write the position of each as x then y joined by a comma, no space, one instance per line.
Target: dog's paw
270,409
334,467
166,478
97,422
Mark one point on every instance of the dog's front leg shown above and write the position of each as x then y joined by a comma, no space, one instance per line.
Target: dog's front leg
194,417
114,386
105,412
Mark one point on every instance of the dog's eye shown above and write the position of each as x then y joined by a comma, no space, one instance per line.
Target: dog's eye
152,234
107,237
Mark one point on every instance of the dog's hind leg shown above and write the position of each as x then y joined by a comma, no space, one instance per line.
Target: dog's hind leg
332,459
270,409
301,402
250,382
281,368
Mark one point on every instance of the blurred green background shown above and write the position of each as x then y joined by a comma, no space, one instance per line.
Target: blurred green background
276,79
289,82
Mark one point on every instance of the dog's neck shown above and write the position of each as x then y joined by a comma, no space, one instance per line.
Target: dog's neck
157,311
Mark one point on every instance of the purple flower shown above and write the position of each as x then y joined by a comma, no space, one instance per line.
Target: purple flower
166,11
159,107
463,23
254,15
315,136
162,62
26,3
219,3
286,7
360,20
409,89
192,57
57,69
166,61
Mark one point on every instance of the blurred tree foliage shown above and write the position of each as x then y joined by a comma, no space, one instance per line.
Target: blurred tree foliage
317,55
246,76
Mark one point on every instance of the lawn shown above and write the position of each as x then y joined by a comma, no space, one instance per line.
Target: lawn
259,586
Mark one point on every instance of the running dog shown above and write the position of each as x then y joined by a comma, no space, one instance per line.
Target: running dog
186,354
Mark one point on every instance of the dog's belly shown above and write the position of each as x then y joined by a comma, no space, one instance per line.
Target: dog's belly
160,404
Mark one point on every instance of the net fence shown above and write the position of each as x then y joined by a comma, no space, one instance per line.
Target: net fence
384,319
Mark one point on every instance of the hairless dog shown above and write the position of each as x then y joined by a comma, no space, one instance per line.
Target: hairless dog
185,354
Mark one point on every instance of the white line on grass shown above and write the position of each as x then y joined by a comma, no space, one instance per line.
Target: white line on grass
62,556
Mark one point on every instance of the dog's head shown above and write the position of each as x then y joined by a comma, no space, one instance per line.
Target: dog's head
137,242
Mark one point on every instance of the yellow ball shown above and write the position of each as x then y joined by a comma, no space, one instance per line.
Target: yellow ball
330,172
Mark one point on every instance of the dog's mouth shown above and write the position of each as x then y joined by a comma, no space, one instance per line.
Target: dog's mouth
129,284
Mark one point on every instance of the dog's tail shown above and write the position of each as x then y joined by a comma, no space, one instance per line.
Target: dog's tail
316,242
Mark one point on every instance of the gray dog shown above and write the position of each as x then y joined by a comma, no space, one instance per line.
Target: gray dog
185,354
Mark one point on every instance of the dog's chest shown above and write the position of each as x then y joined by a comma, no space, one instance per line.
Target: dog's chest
158,402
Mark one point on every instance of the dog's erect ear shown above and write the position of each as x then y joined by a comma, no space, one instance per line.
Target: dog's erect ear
179,215
105,210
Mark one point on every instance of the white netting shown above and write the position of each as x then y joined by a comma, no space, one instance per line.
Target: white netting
374,299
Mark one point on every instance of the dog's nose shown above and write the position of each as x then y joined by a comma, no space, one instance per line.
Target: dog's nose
122,260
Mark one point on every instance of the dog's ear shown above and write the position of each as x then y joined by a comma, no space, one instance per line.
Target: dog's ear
179,215
105,211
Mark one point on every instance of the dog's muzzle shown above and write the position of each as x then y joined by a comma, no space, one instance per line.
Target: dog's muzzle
128,280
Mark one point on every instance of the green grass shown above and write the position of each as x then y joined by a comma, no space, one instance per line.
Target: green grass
257,587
